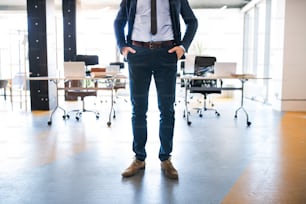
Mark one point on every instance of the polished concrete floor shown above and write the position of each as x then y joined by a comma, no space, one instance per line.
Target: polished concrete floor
219,159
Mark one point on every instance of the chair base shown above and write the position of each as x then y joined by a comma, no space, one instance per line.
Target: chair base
201,110
205,108
79,112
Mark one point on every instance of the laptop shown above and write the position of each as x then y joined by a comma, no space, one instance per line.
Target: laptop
225,68
115,69
74,69
189,64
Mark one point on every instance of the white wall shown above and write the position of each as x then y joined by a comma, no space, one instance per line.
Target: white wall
288,54
294,70
220,34
277,51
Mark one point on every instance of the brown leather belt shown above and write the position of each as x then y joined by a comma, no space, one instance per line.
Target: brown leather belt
152,45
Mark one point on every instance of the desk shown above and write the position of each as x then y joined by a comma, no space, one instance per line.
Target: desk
187,79
110,77
3,85
7,83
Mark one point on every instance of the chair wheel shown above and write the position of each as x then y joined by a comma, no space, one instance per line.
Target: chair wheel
77,118
248,123
218,114
201,115
109,124
49,122
188,123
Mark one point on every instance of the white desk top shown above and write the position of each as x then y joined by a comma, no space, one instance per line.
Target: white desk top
104,76
233,76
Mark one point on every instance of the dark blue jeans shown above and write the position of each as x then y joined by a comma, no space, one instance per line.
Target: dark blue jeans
144,64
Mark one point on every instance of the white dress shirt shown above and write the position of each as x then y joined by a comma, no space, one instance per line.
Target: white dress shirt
142,27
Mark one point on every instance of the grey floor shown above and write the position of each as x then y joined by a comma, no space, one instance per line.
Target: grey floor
81,161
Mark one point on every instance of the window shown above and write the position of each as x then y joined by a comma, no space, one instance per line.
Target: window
256,49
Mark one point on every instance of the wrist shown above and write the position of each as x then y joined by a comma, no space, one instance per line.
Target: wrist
183,48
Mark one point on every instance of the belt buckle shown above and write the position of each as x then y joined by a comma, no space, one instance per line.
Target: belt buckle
151,45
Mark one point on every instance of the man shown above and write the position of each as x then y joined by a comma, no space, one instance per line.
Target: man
152,49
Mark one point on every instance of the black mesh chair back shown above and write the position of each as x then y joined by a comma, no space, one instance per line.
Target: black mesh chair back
202,66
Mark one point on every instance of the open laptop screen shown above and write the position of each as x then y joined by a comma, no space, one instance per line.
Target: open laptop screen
225,68
74,69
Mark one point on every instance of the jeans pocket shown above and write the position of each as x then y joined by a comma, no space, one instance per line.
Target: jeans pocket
174,56
130,55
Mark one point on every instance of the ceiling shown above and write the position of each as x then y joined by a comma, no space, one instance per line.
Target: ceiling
21,4
218,3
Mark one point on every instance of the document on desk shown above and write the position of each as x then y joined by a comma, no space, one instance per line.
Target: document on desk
108,72
243,75
101,75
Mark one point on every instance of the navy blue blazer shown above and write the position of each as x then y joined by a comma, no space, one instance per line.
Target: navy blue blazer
126,15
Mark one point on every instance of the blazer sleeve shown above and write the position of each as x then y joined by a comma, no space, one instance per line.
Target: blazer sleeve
191,23
120,23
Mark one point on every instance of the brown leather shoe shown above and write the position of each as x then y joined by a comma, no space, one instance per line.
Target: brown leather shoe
169,170
134,168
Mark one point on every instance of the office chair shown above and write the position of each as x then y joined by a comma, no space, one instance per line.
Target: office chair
20,84
202,66
76,89
3,85
88,60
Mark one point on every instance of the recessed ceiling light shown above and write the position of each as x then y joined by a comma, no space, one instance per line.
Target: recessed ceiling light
223,7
